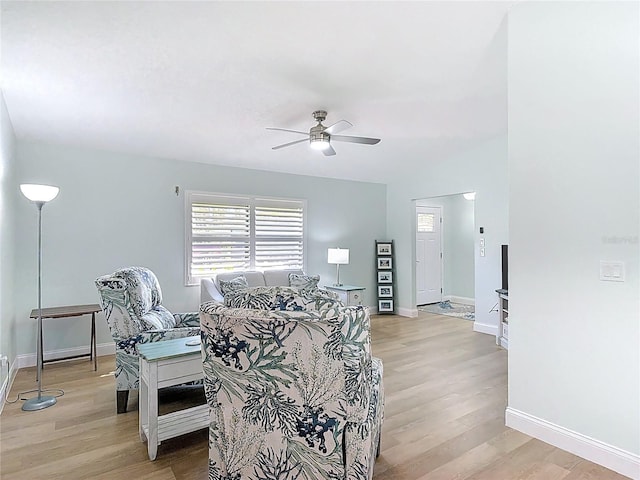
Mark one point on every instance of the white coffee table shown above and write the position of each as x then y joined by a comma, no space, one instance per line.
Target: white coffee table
164,364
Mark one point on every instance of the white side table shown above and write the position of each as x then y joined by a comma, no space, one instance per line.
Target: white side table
164,364
349,294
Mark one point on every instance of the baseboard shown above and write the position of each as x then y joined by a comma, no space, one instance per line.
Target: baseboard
3,390
608,456
408,312
484,328
6,385
29,359
460,300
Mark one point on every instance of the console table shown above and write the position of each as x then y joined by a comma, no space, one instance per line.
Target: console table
164,364
349,294
72,311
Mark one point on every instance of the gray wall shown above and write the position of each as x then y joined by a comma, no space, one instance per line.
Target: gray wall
482,169
459,236
574,200
116,210
479,165
7,241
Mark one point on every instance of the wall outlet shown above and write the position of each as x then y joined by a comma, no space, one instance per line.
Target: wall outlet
611,271
4,360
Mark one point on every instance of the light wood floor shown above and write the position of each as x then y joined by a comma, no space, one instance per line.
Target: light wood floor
446,390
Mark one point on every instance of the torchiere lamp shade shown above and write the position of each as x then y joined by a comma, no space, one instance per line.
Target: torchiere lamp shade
39,193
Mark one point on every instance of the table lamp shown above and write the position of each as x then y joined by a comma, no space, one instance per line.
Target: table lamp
39,194
338,256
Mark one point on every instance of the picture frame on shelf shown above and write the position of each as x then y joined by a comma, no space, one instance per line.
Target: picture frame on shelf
385,306
385,263
385,277
384,248
385,291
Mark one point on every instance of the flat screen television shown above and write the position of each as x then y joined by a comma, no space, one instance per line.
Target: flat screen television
505,267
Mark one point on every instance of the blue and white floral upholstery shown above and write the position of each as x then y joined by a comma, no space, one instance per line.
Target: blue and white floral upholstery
282,298
292,394
131,300
305,282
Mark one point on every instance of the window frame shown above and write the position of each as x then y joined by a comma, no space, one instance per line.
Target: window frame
197,196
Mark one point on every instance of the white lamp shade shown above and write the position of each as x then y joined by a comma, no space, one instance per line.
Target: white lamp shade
339,256
320,144
39,193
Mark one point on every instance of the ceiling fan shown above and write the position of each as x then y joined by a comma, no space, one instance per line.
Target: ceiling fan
319,137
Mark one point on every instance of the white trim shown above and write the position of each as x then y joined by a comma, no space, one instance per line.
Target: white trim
504,343
3,390
460,300
6,385
609,456
485,328
408,312
29,359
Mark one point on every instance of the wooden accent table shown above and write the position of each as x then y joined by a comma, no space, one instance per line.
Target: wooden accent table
164,364
72,311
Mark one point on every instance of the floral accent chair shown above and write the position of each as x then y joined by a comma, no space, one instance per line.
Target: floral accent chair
131,300
291,393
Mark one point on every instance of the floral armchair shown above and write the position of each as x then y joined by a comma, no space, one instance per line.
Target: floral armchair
131,300
292,393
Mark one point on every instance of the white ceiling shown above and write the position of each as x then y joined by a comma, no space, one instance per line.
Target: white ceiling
200,81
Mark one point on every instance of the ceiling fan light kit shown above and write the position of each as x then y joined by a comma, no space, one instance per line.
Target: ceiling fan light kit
318,139
320,136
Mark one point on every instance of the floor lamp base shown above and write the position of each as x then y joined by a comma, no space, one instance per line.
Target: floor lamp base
38,403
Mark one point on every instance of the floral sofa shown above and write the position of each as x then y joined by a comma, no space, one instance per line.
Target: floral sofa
292,387
132,304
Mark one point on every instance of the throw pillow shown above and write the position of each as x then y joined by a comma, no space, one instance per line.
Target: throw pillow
233,285
304,282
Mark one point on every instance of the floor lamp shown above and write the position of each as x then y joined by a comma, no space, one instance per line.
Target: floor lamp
39,194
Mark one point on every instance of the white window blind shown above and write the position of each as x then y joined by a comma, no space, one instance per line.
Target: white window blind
226,233
279,234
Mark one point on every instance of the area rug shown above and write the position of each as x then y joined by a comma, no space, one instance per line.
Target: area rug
451,309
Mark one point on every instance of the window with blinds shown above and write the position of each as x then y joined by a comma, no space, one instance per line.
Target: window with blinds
228,233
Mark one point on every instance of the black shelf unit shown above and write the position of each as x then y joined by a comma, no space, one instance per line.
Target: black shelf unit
386,276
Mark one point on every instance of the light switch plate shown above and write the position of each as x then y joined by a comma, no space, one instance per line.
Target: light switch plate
482,252
482,242
611,271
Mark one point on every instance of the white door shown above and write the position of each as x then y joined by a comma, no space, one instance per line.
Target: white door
428,255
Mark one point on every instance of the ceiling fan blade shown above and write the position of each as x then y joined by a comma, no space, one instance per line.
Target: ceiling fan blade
287,130
338,127
289,144
329,151
348,138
